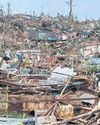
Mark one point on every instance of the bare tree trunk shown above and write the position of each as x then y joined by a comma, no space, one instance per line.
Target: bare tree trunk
71,7
8,9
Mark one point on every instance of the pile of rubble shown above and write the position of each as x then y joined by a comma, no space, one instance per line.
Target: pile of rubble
46,62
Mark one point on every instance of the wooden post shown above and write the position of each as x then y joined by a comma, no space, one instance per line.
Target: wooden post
36,115
24,115
65,86
24,109
6,99
72,62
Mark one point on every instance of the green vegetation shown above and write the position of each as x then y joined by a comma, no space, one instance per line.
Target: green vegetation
92,68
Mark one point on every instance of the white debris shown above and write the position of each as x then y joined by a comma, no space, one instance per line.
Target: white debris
99,85
59,75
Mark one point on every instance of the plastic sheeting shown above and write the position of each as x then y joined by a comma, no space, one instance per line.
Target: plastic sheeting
95,61
59,75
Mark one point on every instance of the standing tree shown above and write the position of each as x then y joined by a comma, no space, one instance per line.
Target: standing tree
1,11
70,5
8,9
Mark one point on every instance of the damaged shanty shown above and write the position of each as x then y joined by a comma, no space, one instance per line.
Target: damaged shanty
73,102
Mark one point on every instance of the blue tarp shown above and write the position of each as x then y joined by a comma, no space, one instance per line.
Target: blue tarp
86,33
42,36
95,60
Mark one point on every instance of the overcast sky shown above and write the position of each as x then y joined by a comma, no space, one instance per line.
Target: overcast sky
82,8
